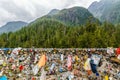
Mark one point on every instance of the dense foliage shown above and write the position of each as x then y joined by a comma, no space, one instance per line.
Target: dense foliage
51,33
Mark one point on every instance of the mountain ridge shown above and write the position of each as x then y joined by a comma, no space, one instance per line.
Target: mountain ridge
53,12
74,16
106,10
12,26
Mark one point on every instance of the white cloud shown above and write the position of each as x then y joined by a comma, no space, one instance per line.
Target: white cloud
84,3
28,10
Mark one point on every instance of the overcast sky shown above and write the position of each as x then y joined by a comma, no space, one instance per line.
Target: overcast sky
29,10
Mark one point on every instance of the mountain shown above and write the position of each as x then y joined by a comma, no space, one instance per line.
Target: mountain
12,26
61,31
73,16
106,10
53,12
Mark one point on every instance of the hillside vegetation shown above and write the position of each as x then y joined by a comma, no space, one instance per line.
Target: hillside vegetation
51,33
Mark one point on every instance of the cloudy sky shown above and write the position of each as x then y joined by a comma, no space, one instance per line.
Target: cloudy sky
29,10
